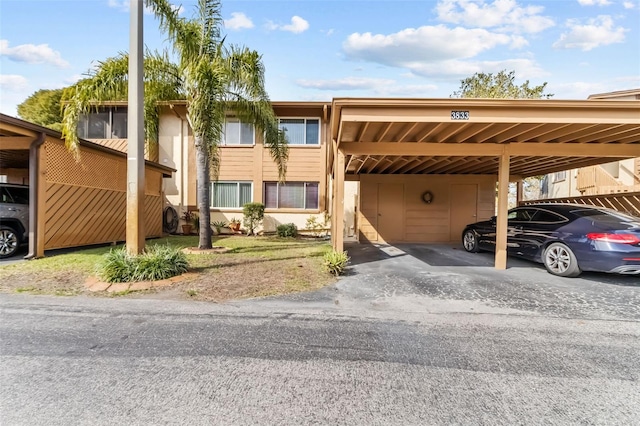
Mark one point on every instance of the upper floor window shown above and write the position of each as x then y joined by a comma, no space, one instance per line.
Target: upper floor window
291,195
559,176
230,194
105,123
301,131
237,132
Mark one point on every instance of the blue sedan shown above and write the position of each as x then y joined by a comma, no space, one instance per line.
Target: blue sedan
566,238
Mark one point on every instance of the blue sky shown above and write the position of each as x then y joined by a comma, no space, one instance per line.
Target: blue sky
320,49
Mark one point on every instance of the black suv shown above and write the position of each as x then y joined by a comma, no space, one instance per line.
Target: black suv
14,217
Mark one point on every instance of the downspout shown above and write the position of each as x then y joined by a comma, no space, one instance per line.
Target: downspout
34,184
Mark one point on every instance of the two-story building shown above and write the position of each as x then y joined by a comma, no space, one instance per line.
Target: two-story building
389,170
615,177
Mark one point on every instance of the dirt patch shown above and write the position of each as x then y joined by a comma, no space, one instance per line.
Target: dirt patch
244,267
212,250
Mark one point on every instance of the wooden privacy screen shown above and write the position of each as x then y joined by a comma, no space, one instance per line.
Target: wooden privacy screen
151,153
628,202
86,200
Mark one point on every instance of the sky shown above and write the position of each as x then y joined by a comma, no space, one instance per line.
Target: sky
316,50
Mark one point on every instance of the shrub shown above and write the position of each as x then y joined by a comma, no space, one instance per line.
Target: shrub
218,225
158,262
316,227
336,261
287,230
253,215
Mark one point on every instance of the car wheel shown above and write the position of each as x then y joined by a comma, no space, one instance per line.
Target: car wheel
560,260
470,241
9,241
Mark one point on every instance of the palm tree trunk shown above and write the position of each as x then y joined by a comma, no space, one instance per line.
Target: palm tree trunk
202,192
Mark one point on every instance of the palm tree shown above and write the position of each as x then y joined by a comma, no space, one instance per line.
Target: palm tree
108,81
214,78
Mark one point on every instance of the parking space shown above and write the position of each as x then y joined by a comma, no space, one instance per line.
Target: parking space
18,257
444,278
418,275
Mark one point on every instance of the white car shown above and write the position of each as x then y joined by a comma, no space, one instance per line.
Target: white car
14,218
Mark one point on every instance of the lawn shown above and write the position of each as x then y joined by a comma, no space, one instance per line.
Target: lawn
252,267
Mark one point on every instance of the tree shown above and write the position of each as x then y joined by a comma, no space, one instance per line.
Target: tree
217,79
253,216
213,77
108,81
44,108
501,85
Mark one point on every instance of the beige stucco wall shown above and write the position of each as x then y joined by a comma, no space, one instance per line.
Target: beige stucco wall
272,219
419,221
242,163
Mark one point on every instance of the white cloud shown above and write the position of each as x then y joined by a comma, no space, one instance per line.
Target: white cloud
32,54
439,51
630,5
13,82
348,83
238,21
73,79
583,89
411,48
376,86
594,2
596,32
524,68
298,25
502,15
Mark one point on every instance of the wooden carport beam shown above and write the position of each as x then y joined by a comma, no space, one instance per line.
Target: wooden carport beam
491,149
501,220
338,204
15,142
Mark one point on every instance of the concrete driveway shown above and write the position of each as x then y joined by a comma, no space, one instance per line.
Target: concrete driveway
439,278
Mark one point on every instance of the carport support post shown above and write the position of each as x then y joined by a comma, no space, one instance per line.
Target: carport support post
338,202
503,207
135,143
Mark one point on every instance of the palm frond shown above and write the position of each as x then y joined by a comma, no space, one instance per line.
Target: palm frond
109,80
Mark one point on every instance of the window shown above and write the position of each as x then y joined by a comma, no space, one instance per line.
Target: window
237,132
291,195
544,216
521,215
230,194
559,176
301,131
105,123
14,195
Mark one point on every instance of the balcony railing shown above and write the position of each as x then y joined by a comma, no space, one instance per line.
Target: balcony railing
595,180
627,203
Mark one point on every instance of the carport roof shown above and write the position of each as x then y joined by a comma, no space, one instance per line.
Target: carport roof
16,136
421,136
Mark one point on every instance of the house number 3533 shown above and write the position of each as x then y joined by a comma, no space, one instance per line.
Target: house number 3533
459,115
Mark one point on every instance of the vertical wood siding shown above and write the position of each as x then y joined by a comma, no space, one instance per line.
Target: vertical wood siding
422,222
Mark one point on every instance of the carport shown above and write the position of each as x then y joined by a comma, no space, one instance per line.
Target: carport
74,200
435,149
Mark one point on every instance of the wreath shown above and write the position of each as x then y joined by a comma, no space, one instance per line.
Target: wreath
427,197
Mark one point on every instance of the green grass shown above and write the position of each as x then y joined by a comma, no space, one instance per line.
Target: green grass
253,266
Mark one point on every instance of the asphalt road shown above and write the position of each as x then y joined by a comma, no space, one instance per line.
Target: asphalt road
138,362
